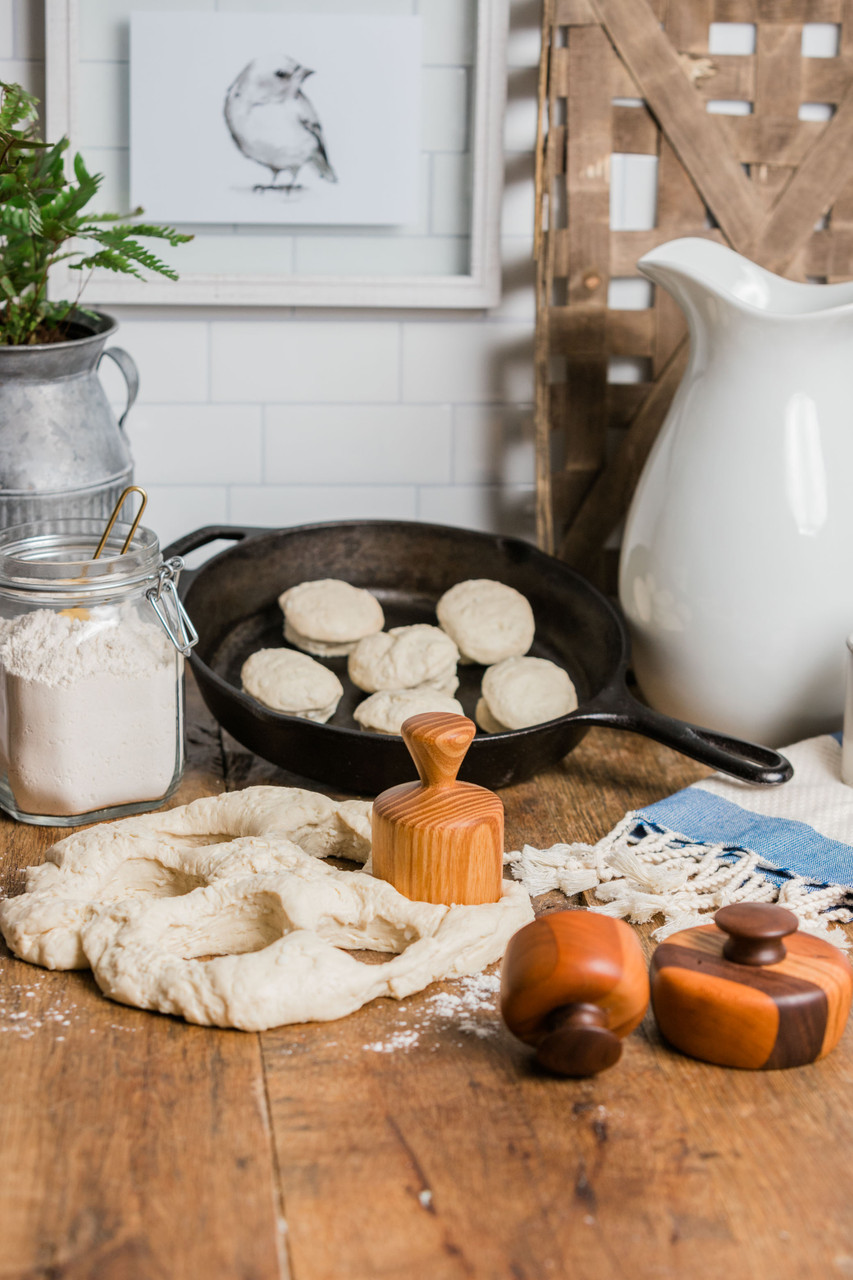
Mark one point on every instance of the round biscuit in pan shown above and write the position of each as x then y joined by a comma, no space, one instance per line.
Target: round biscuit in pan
519,692
486,720
488,620
384,712
320,648
403,658
329,615
293,683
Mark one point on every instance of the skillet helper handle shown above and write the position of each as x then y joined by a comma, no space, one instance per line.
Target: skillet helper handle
744,760
210,533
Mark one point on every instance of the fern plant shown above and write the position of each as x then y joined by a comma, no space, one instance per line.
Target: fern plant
43,221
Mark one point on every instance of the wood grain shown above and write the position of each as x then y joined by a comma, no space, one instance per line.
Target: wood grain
768,184
414,1138
573,985
134,1146
785,1014
439,840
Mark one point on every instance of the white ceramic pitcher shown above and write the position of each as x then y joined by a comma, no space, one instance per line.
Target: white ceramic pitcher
737,560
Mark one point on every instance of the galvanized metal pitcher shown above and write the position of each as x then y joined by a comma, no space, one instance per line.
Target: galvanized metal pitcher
62,452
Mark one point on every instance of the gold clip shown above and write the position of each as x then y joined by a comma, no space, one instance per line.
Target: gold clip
133,488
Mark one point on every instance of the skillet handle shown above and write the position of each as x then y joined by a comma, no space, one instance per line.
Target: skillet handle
210,533
744,760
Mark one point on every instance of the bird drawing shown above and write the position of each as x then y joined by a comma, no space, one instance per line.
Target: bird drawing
272,121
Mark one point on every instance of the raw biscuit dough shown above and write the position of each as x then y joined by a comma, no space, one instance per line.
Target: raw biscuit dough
293,683
404,658
520,692
328,617
488,620
240,877
384,712
486,720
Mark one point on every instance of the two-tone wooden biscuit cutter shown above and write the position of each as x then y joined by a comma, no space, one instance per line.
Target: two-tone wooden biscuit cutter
751,990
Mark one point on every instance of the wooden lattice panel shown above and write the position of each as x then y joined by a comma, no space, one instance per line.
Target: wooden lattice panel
775,187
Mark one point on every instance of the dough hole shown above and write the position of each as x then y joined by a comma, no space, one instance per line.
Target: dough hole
368,957
378,935
235,930
138,877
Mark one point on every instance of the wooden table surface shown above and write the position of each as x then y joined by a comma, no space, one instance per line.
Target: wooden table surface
411,1140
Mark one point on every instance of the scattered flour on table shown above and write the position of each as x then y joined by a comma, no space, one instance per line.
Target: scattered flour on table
25,1022
399,1040
455,1010
54,1015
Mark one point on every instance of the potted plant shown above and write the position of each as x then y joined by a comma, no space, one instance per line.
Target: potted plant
61,450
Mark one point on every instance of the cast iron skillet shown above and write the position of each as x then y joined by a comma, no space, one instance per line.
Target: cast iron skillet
232,601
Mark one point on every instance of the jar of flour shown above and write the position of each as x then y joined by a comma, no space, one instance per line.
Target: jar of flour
91,673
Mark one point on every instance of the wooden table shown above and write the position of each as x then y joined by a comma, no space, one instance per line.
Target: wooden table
409,1141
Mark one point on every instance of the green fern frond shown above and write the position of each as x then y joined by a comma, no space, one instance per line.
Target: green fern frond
109,259
43,222
16,106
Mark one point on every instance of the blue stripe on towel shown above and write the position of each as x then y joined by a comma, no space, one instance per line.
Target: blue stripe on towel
795,846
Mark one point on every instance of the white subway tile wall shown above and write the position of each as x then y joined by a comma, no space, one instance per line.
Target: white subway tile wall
275,417
312,444
7,27
304,360
284,504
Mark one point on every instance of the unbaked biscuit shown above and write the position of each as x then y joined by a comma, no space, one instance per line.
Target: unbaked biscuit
384,712
486,720
520,692
404,658
293,683
328,616
488,620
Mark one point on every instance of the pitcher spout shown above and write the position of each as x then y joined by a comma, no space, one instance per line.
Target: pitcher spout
696,271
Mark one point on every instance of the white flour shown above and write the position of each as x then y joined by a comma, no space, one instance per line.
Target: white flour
88,709
471,1007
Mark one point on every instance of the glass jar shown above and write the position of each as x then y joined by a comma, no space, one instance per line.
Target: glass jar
91,673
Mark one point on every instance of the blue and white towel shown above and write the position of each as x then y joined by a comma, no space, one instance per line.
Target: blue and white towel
720,841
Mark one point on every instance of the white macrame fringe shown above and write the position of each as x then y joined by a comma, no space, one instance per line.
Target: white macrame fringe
638,876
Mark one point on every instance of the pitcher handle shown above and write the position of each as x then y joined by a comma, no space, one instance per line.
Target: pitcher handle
130,373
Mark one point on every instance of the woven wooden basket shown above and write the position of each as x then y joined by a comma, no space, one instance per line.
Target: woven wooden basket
774,186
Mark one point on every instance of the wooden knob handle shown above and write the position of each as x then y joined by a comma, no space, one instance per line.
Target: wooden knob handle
577,1042
437,742
573,985
755,930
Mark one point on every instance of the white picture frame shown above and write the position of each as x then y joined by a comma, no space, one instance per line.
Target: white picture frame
478,289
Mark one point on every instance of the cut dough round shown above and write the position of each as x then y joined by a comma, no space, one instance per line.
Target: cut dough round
240,877
488,620
485,719
293,683
404,658
385,712
318,647
328,616
519,692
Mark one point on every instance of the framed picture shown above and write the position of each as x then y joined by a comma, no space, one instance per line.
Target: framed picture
324,153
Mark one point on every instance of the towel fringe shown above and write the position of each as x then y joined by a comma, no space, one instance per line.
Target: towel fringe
639,871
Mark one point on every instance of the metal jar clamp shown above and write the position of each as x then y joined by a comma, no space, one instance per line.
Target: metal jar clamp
166,603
